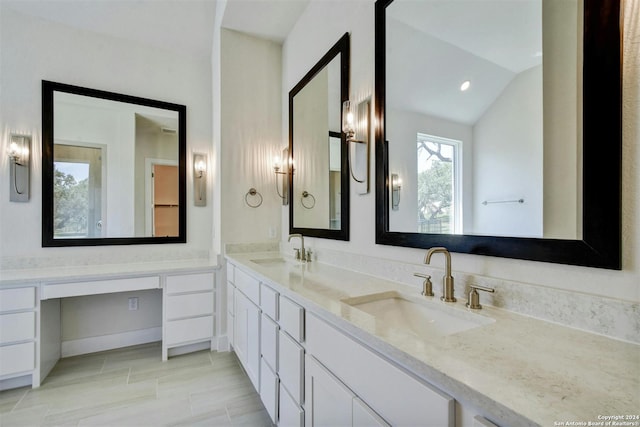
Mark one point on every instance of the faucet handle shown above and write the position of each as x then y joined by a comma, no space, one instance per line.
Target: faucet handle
297,253
474,296
427,286
309,252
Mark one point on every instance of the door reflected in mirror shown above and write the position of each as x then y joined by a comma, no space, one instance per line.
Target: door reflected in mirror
496,127
113,168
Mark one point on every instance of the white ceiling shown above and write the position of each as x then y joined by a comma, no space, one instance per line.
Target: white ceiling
179,25
269,19
433,46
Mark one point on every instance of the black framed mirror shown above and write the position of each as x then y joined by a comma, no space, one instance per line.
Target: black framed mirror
113,168
593,207
319,183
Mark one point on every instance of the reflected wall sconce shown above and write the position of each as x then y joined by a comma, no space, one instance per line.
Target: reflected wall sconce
396,186
282,168
19,160
356,128
199,180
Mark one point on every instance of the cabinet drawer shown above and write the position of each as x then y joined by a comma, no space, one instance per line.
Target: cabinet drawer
230,295
17,327
292,318
230,272
249,286
17,358
189,283
290,414
269,301
418,404
190,305
269,341
291,367
179,331
17,299
269,391
94,287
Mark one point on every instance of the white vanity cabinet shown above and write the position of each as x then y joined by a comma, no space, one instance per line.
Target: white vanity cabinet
188,310
18,312
246,324
394,396
331,403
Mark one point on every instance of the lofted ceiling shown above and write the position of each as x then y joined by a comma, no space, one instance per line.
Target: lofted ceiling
184,26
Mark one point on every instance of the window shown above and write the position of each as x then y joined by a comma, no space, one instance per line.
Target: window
439,185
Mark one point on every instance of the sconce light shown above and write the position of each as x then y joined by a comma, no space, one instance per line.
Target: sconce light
355,126
282,168
199,180
19,160
396,186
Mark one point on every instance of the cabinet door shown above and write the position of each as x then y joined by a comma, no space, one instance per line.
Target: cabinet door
363,416
289,413
247,337
328,401
269,391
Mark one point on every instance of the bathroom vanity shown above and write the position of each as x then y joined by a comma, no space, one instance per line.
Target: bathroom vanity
30,310
318,352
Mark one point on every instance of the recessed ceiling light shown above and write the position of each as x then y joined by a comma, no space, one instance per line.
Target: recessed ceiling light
465,85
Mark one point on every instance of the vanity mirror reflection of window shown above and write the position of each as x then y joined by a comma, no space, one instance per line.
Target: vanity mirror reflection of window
530,90
113,168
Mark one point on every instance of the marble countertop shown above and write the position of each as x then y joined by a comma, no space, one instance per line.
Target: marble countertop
101,272
520,370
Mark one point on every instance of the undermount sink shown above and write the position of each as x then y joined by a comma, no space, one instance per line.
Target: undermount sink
269,261
422,317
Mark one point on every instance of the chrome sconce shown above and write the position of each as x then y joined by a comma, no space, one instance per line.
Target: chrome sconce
199,180
19,161
396,186
355,126
282,169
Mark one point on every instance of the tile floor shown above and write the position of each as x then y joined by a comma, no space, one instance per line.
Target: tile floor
133,387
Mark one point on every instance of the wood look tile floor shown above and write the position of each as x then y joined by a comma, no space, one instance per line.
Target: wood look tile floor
133,387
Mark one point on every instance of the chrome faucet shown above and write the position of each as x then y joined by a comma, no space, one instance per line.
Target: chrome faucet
447,280
301,254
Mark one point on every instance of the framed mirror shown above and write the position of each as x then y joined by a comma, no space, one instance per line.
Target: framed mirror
319,183
500,124
113,168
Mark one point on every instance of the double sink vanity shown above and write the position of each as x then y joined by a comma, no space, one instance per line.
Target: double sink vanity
368,350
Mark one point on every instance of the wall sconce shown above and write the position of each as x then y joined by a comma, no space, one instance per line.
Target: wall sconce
282,168
396,186
199,180
355,125
19,160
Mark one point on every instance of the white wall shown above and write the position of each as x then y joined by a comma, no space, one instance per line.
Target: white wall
250,136
507,160
323,22
32,50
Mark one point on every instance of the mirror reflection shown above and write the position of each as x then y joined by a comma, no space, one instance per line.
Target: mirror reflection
317,142
112,169
320,182
115,169
483,117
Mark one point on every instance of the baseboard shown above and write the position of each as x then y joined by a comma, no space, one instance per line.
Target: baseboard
109,342
10,383
223,343
189,348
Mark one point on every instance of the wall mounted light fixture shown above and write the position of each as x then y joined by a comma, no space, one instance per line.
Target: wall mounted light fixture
199,179
396,186
19,161
355,125
282,168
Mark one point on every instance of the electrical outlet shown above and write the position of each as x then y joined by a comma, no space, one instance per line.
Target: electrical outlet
272,232
133,304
